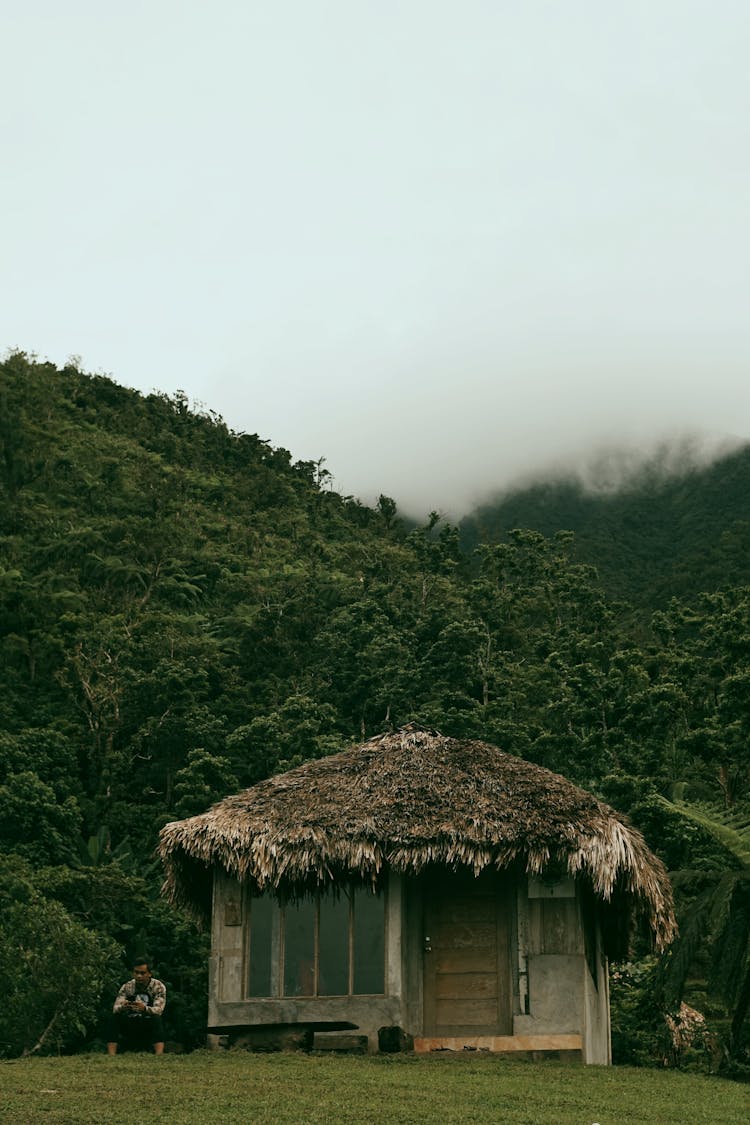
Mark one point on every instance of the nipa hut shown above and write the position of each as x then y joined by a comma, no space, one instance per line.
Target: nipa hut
418,887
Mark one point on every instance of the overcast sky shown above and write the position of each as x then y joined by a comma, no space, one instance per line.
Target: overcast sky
439,242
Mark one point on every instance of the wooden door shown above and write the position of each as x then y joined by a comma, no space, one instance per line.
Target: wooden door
466,954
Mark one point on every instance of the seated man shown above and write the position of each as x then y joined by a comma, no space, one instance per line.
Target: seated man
136,1014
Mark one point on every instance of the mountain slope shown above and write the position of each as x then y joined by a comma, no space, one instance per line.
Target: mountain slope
664,535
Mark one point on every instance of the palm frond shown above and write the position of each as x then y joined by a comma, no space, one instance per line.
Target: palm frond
675,965
730,827
722,901
731,945
719,917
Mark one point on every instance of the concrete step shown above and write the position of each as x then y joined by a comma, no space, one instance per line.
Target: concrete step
563,1047
340,1042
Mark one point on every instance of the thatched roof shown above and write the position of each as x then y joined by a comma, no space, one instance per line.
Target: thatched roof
406,800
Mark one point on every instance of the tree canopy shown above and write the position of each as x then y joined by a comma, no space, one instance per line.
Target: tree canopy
185,610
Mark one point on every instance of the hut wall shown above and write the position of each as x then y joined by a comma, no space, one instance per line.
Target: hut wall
562,969
597,1035
558,972
413,943
552,990
226,964
395,948
230,1008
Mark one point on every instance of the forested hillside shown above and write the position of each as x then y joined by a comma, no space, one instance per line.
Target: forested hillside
665,533
184,611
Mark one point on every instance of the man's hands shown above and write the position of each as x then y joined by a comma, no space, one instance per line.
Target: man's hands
136,1006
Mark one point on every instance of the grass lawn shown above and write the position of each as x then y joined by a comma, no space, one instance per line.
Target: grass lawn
231,1087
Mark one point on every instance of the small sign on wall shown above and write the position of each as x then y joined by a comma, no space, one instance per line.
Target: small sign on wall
232,912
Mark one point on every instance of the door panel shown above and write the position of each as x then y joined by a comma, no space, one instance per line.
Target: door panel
467,955
466,986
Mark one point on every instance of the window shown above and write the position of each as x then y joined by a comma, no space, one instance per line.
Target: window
325,945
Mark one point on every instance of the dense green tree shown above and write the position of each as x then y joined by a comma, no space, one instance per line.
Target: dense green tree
716,921
184,610
40,817
673,527
52,968
203,780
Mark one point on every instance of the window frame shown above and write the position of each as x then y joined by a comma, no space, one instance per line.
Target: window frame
277,948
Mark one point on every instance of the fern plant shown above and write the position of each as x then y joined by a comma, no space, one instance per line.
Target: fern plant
717,919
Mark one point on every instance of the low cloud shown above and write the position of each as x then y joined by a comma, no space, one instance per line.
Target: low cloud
450,441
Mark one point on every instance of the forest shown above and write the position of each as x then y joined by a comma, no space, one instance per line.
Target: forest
185,610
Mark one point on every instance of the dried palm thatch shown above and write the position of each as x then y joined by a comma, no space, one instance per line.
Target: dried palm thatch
402,801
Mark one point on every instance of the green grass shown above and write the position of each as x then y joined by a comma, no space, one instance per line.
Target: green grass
231,1087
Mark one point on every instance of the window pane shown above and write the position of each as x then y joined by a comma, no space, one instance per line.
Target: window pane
333,957
261,944
299,948
369,942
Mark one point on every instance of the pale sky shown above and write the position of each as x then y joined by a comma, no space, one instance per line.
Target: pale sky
440,243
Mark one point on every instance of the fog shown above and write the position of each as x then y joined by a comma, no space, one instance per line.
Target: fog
444,246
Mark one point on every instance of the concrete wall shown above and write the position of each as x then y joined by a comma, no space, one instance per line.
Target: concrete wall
226,973
567,981
413,947
597,1034
550,944
559,978
230,1007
